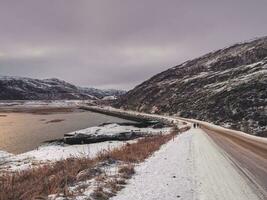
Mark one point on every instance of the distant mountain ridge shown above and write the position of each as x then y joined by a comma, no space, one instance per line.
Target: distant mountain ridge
20,88
226,87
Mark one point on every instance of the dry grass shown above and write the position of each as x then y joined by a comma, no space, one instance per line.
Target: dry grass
127,171
100,194
55,178
136,152
42,181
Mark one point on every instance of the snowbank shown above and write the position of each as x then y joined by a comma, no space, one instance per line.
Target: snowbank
51,153
112,129
165,175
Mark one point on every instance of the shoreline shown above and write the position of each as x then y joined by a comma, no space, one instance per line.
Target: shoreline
128,115
125,132
25,131
41,106
38,110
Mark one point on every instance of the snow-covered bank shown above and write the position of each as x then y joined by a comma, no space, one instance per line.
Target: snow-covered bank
54,152
51,153
43,103
42,106
112,129
165,175
3,156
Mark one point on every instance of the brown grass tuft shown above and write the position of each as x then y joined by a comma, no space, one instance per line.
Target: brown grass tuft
55,178
100,194
136,152
127,171
42,181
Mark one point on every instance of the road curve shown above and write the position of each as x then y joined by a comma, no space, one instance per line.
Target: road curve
247,152
191,167
227,164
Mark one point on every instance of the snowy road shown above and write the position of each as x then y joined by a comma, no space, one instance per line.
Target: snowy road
190,167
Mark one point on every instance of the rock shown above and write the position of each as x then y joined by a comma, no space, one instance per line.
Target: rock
88,139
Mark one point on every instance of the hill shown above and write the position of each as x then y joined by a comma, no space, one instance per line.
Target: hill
226,87
19,88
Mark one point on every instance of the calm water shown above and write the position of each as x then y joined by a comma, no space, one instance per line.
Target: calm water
21,132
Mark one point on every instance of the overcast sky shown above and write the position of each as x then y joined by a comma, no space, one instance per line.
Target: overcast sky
118,43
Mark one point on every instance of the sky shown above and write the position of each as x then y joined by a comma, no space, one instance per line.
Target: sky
118,43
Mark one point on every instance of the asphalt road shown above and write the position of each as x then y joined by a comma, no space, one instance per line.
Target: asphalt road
250,160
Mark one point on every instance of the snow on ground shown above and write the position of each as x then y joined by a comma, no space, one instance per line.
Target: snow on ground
55,152
50,153
109,98
165,175
111,129
3,156
43,103
58,152
190,167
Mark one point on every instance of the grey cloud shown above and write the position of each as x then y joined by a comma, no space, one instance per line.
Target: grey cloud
118,43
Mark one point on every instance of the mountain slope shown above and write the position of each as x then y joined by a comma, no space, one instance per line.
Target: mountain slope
18,88
227,87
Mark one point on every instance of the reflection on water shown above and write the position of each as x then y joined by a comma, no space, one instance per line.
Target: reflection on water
21,132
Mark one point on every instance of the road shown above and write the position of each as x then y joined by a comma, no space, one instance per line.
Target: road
220,164
250,161
217,174
193,166
246,152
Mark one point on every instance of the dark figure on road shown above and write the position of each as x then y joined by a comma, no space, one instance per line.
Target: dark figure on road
195,125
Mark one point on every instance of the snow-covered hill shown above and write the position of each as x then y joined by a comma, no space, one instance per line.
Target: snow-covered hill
227,87
20,88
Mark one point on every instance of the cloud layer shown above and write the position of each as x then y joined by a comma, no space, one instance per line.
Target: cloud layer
118,43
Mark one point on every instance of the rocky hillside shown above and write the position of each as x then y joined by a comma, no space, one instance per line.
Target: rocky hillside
17,88
226,87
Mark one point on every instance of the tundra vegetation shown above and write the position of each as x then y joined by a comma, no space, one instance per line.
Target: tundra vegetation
57,178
